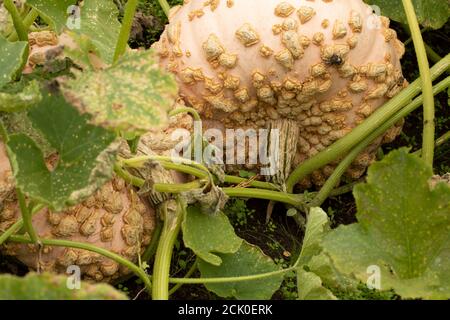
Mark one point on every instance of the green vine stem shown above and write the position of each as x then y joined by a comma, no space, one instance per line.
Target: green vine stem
27,217
124,35
296,200
292,199
89,247
17,20
426,82
334,179
197,151
443,139
188,274
191,111
18,225
173,214
230,279
128,177
251,183
10,231
27,22
165,6
201,174
439,142
344,145
432,55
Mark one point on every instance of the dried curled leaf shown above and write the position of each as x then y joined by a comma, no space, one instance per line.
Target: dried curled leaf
133,96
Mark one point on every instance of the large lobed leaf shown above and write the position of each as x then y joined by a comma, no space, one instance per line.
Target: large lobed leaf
248,260
403,228
207,235
13,56
430,13
53,287
134,95
85,152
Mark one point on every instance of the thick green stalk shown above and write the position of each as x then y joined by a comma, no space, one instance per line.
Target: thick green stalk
177,188
426,82
17,20
161,269
201,174
344,145
89,247
340,170
165,6
27,22
334,179
124,35
27,217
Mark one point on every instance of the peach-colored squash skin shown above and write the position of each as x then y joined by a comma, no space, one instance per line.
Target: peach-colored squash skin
327,65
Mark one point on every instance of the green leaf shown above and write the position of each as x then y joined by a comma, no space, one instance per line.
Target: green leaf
29,96
13,56
134,95
430,13
86,155
317,226
309,284
209,234
311,287
100,22
54,12
248,260
53,287
403,229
